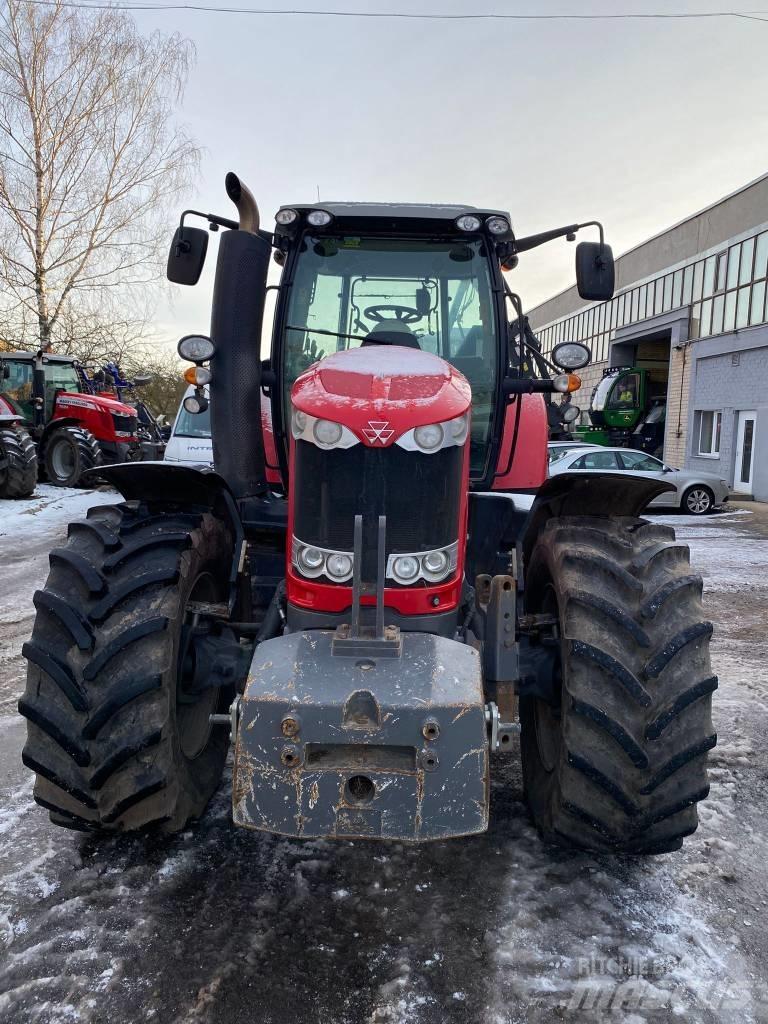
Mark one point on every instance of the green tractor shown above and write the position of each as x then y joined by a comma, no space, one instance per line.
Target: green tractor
627,410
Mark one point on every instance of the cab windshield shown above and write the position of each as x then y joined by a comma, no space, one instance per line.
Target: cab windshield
433,295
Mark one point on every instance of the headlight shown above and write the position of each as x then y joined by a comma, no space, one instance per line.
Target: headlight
285,217
195,404
459,428
298,422
311,558
312,561
497,225
327,433
196,348
571,413
435,562
339,566
319,218
430,566
405,568
429,437
468,222
571,355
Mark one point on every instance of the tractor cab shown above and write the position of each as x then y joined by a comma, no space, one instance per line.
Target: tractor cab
426,278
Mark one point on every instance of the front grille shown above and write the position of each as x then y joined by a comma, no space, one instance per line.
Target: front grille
419,494
125,424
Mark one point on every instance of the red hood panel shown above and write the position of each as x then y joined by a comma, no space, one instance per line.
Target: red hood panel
402,387
85,401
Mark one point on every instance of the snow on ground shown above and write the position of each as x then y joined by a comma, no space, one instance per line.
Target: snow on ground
29,528
225,926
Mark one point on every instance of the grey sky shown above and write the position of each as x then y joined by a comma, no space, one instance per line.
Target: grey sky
636,123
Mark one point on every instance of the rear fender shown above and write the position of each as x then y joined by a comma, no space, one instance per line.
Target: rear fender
10,421
586,494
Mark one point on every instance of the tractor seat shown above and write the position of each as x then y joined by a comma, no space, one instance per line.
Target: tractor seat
392,332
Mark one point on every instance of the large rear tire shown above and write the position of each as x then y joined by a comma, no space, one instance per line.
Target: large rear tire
115,741
617,761
70,452
18,463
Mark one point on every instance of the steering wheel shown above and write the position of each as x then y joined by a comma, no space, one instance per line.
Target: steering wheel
402,314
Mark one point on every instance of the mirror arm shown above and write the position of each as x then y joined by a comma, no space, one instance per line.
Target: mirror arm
214,220
569,232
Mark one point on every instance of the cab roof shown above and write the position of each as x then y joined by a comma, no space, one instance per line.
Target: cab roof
412,218
20,355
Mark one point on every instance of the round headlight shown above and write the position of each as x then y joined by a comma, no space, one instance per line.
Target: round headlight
195,348
326,432
571,413
468,222
459,428
428,438
195,405
339,566
311,558
405,568
497,225
436,562
319,218
286,217
571,355
298,422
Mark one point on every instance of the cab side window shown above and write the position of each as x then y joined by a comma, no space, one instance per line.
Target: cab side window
18,384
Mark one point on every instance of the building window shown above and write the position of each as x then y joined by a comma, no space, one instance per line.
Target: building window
709,432
722,261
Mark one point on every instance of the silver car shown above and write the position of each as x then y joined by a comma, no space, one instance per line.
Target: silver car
695,492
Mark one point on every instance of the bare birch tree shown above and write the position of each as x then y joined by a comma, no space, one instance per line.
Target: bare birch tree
90,158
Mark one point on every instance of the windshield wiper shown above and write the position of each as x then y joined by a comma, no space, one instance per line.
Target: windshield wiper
330,334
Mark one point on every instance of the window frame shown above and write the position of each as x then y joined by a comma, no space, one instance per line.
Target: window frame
715,433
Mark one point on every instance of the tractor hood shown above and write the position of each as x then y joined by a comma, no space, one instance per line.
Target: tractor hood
76,400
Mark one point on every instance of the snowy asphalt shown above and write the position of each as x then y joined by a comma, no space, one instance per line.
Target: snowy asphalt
219,925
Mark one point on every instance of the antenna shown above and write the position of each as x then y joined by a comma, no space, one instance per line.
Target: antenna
318,192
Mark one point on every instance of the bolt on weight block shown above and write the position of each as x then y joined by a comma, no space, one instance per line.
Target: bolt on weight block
375,748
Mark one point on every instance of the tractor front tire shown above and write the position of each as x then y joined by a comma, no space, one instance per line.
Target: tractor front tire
616,761
115,742
69,452
18,463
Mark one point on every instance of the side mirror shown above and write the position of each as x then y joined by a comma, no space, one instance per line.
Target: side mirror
187,255
595,271
423,301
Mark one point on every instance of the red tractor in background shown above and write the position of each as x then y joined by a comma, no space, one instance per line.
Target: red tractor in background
353,595
51,427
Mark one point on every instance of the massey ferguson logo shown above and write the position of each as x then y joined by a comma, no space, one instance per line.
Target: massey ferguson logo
378,431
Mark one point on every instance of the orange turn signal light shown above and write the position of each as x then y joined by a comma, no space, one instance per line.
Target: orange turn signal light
197,375
566,383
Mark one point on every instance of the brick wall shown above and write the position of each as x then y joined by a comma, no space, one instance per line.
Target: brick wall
678,395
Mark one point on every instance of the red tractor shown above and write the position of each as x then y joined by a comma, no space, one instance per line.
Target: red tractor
49,423
367,611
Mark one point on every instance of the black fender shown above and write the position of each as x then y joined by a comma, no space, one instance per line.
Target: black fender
60,421
9,420
200,488
586,494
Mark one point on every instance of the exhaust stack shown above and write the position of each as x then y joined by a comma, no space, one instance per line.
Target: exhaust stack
243,199
238,307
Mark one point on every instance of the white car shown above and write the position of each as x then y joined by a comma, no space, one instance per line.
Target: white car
695,493
190,441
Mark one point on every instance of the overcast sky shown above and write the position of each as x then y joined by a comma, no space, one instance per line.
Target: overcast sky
635,123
